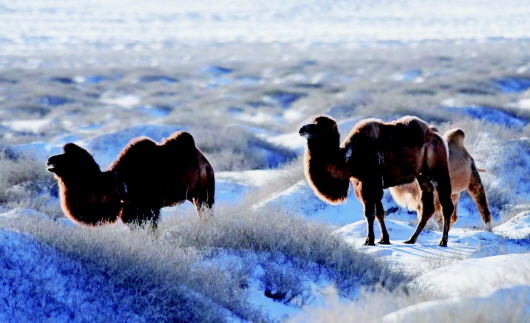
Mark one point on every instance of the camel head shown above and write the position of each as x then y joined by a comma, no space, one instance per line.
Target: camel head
75,161
322,129
455,137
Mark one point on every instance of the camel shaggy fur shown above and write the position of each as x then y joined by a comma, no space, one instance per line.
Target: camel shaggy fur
464,176
374,156
146,177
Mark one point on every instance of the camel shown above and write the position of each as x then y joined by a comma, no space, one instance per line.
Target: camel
464,176
144,178
374,156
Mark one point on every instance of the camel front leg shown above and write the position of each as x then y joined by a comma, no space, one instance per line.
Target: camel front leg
380,213
370,193
444,194
137,217
369,213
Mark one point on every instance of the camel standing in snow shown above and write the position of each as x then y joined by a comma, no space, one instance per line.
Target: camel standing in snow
464,176
374,156
145,177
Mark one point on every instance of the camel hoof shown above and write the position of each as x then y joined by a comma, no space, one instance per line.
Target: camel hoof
410,241
382,241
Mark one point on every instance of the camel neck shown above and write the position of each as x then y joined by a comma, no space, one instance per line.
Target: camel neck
323,148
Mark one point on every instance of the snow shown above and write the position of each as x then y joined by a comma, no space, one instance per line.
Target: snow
490,115
36,282
27,125
477,276
523,104
458,308
158,24
513,85
301,200
125,101
19,212
516,228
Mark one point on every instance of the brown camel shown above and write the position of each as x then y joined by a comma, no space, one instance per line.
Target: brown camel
464,176
374,156
146,177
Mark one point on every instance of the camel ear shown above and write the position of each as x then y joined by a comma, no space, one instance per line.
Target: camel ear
72,148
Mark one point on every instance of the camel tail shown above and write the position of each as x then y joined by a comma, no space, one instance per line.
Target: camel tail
478,194
406,195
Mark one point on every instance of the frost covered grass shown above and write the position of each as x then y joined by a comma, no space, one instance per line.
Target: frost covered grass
204,269
244,105
24,183
145,277
277,233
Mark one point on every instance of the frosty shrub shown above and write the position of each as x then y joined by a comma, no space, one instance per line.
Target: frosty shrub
235,148
309,247
25,182
149,277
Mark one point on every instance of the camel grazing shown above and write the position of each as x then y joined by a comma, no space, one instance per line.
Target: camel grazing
374,156
146,177
464,176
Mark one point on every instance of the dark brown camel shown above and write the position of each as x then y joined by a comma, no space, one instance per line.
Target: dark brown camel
374,156
146,177
464,176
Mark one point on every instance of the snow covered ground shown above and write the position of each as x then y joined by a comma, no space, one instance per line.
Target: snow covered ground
138,25
100,73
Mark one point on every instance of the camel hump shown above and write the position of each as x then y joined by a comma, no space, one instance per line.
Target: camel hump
138,149
180,140
369,128
455,137
412,130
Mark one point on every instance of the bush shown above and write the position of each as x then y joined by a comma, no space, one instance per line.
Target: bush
25,183
277,234
203,269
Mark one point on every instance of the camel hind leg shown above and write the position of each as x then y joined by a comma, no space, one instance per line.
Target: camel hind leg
380,214
438,217
438,172
369,213
426,207
477,193
442,183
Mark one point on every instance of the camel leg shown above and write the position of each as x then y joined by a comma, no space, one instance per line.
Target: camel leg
439,219
454,217
426,207
203,201
443,186
134,216
380,214
370,195
204,196
476,190
369,213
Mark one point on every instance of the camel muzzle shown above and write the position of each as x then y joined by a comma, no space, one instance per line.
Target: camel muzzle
304,131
